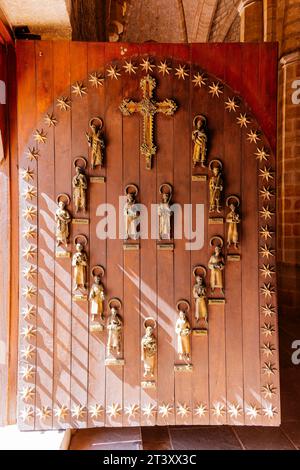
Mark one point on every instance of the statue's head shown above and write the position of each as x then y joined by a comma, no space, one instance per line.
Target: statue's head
232,207
61,204
199,280
97,280
217,249
182,315
149,330
78,170
130,197
114,311
216,170
79,247
165,197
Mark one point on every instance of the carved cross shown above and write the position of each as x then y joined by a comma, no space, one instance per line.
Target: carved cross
148,107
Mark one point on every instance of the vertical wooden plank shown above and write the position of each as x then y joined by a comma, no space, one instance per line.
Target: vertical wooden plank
63,271
80,321
200,104
46,242
26,76
115,188
97,194
132,319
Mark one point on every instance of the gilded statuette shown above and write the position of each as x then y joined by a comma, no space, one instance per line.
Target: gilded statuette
183,331
199,137
96,142
233,219
200,295
97,293
114,328
79,184
80,263
149,347
131,214
62,220
215,186
165,212
216,265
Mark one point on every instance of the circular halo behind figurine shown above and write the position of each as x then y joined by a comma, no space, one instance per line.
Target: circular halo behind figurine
199,118
82,237
98,268
65,196
219,164
100,122
211,241
116,301
82,159
131,185
235,198
150,319
169,186
199,267
180,302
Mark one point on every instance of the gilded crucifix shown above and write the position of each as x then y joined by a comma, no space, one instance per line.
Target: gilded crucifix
148,107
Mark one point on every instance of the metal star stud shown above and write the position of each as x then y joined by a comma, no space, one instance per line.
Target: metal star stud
266,193
201,410
28,312
27,414
163,68
269,368
27,372
266,252
96,79
29,292
261,154
268,310
79,89
231,105
30,272
268,390
146,65
266,173
29,252
215,89
199,80
218,410
129,67
50,120
28,352
30,193
266,213
114,410
40,136
234,410
63,103
270,411
61,412
44,413
29,213
181,72
265,232
252,411
253,136
132,410
268,349
165,409
243,120
268,329
27,393
27,174
28,332
78,411
149,410
267,290
113,72
267,270
30,232
96,410
32,153
183,410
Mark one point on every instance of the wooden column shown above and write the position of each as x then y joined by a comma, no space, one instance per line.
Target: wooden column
251,12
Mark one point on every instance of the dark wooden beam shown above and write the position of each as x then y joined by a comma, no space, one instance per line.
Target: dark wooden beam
88,20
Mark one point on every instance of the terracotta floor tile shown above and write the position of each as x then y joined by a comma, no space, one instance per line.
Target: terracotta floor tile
106,438
292,429
263,438
204,438
156,438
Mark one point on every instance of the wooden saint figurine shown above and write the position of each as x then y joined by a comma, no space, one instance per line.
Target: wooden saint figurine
149,347
199,137
62,220
79,263
183,331
96,142
130,213
97,294
233,219
165,212
79,184
216,264
114,328
215,186
200,296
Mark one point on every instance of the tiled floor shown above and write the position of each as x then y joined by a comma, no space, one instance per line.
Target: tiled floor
286,437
